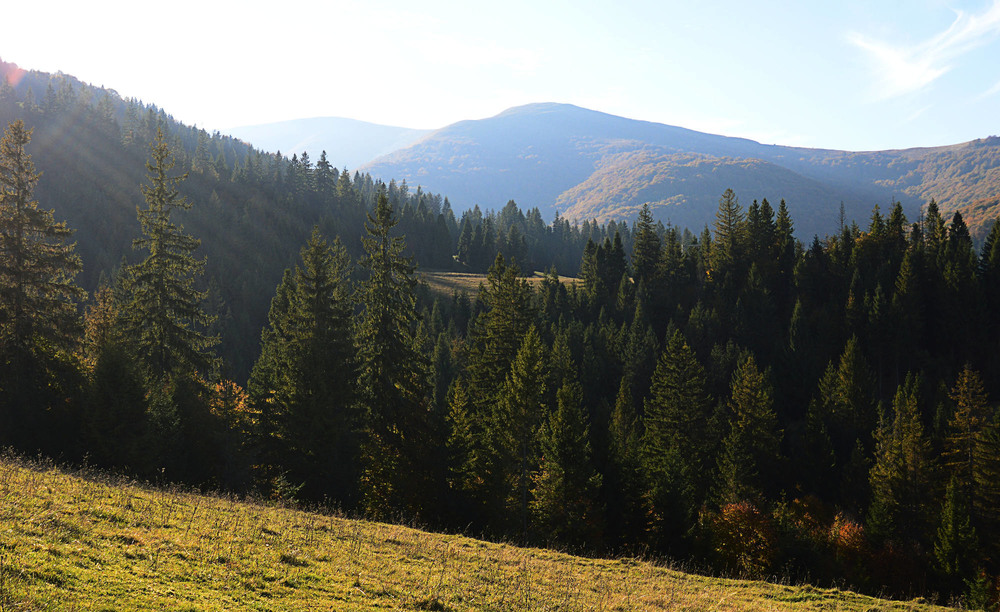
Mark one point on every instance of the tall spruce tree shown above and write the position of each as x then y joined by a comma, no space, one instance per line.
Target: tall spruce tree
37,265
305,380
965,428
903,474
38,317
165,315
625,511
393,377
674,448
645,247
564,498
495,338
731,233
750,454
840,420
956,546
512,430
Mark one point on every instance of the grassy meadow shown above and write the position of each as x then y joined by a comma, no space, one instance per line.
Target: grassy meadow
71,541
446,283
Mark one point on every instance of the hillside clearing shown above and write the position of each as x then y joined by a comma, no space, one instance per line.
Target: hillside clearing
74,542
447,283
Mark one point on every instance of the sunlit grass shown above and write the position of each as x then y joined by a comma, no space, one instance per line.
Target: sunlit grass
83,542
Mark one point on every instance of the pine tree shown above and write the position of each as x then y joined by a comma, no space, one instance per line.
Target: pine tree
393,378
164,313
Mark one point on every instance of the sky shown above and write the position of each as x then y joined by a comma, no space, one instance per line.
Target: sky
851,74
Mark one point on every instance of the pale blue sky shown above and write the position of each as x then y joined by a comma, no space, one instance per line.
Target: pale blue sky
848,75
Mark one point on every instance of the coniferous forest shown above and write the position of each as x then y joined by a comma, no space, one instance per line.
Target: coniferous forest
731,396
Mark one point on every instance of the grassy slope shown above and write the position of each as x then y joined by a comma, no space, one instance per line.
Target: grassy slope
70,542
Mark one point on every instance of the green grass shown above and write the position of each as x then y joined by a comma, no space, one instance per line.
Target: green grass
80,542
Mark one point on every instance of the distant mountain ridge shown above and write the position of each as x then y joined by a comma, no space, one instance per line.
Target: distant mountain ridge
586,164
347,142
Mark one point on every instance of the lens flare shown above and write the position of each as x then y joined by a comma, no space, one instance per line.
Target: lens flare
12,73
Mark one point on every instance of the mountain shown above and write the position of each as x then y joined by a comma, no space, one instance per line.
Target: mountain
586,164
348,143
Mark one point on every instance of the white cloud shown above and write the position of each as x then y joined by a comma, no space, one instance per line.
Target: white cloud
913,116
992,91
903,69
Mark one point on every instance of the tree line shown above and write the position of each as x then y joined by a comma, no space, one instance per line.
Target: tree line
735,398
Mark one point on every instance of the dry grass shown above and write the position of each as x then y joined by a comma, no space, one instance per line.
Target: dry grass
446,283
69,542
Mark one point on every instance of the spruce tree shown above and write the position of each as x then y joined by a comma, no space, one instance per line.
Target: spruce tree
115,410
497,334
674,447
645,247
37,265
750,455
468,459
731,233
39,324
903,474
564,497
305,381
393,376
164,314
840,419
986,476
955,543
511,433
965,428
623,477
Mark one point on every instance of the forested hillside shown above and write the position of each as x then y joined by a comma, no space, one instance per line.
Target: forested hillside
731,397
252,209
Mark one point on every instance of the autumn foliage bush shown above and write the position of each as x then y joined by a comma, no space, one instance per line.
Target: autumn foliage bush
744,540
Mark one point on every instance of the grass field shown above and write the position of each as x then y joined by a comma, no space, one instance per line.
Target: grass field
79,542
447,283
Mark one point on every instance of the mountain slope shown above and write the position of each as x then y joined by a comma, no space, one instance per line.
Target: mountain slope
347,142
82,543
586,164
676,186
